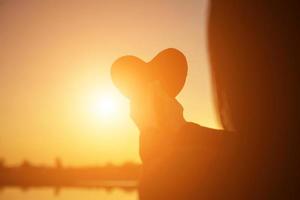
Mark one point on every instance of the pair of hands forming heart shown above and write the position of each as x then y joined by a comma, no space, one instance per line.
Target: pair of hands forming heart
152,88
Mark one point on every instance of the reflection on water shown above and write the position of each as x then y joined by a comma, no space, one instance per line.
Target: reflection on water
46,193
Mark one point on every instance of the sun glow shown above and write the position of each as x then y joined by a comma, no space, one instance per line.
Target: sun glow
104,106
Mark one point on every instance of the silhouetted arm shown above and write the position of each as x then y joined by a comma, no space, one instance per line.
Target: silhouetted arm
154,144
184,163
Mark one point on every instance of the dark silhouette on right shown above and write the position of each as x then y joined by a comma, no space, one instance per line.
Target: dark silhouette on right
255,70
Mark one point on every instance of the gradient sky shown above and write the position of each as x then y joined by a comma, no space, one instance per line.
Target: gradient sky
55,59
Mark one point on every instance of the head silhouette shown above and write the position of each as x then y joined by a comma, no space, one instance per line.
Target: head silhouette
252,49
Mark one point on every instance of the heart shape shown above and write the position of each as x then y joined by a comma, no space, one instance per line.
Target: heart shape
131,75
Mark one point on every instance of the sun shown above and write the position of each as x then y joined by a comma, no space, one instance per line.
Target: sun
106,106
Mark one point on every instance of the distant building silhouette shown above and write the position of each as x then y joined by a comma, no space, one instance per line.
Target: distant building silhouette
2,163
26,164
58,163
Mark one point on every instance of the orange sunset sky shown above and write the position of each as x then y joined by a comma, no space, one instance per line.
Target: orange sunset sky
56,96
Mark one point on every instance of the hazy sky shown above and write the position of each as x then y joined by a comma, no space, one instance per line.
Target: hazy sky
55,59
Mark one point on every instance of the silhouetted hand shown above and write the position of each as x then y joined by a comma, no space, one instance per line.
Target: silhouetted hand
156,110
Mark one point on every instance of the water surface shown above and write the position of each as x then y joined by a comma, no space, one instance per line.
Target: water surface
46,193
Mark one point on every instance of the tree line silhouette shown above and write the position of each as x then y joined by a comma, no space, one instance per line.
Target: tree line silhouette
108,176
